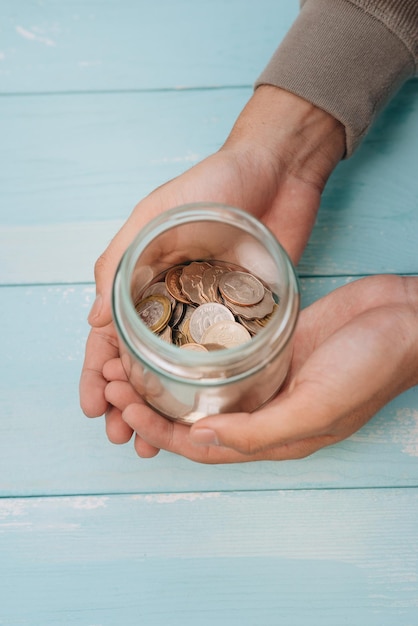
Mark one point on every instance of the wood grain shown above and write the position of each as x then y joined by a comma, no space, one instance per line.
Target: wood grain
133,44
317,557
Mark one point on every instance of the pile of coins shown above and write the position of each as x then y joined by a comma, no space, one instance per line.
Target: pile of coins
206,306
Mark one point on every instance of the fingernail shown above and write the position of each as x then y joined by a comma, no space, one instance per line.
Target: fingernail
95,309
204,436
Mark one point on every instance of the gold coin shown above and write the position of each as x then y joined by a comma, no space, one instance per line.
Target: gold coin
154,311
172,282
191,281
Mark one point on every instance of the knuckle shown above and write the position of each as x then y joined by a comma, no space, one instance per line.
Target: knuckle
251,446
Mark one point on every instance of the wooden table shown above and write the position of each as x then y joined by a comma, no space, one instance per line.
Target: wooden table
101,101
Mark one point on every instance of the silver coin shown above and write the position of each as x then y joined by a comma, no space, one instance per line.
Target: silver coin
226,333
241,288
204,316
259,310
160,289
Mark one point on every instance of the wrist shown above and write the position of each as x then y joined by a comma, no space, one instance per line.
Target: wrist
410,284
288,134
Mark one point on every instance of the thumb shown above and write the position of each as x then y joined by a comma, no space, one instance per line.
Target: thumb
104,272
107,263
105,269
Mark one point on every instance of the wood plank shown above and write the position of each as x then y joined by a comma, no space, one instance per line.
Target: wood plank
130,44
91,157
369,211
48,447
242,559
82,162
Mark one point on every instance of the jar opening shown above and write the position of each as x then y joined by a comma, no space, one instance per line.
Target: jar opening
221,236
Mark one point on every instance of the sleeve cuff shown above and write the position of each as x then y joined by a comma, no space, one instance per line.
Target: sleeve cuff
342,59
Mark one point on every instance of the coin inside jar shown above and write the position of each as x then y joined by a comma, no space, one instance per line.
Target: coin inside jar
241,288
154,311
226,333
206,305
205,316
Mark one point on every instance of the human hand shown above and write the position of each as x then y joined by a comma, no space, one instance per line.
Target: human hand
274,164
355,350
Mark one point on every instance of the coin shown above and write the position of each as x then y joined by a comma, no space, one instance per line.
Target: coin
195,347
154,311
172,282
191,281
263,321
160,289
179,338
261,309
178,314
167,334
204,316
241,288
210,282
185,330
227,334
253,326
223,293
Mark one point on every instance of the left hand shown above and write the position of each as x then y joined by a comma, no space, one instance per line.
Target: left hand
355,350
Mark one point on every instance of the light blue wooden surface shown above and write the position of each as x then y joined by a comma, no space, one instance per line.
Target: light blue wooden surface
241,559
101,101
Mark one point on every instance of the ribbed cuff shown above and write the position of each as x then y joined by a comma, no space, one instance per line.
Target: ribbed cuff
342,59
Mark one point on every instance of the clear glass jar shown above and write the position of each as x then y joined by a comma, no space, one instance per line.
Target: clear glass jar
185,385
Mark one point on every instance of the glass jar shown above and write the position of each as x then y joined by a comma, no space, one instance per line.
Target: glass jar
187,385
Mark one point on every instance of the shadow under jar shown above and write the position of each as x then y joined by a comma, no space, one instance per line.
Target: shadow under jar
186,385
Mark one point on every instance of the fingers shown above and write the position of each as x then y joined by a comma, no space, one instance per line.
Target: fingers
104,272
113,370
121,394
155,432
265,434
144,449
164,434
117,430
101,347
107,263
342,385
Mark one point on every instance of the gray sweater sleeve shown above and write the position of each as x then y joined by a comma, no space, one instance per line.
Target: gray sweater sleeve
348,57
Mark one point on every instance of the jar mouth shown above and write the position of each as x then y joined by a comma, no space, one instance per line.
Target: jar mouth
211,367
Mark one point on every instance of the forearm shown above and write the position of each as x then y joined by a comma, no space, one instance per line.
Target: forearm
289,134
411,303
348,57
